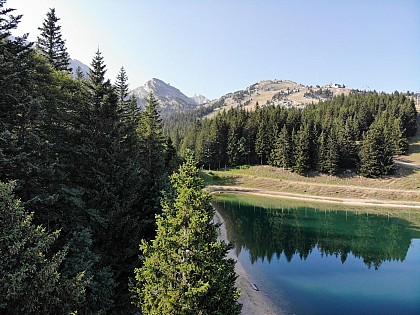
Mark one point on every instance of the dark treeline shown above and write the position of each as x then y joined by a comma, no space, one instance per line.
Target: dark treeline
88,165
83,177
362,130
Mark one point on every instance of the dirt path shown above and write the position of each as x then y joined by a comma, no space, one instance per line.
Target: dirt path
324,199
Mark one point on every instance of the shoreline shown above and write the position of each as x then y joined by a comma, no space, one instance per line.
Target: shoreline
311,198
253,302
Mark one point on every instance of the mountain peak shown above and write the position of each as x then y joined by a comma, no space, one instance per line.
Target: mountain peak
169,98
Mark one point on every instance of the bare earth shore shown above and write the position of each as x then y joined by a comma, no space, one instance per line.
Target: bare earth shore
311,198
254,302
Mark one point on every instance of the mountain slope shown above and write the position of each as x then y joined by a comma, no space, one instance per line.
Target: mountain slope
277,92
170,99
74,63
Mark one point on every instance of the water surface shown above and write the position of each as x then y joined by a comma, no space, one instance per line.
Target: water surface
315,261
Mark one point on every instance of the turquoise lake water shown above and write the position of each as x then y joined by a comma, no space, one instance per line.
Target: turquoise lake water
314,261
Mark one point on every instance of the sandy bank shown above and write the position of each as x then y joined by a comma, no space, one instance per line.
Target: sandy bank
254,302
331,200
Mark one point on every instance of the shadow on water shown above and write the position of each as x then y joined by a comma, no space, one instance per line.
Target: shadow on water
268,234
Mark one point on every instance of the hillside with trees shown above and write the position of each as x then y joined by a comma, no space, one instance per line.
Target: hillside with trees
362,131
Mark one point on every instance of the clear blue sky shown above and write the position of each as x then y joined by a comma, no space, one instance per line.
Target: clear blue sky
213,47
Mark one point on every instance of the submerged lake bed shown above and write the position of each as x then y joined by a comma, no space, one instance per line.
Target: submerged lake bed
311,260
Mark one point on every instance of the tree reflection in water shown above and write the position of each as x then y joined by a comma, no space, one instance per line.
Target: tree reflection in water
271,233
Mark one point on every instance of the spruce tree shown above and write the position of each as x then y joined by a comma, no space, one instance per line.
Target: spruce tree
281,153
346,140
121,85
152,150
376,153
301,151
185,269
328,155
262,146
31,282
18,109
399,140
232,146
221,141
51,44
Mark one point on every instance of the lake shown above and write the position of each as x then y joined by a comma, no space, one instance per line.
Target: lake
317,261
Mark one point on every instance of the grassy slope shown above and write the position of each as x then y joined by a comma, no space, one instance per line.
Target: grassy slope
403,189
404,186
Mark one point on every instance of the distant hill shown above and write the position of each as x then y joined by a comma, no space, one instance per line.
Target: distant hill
279,93
170,98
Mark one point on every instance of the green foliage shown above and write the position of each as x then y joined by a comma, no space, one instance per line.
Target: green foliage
376,152
281,155
262,144
50,43
73,150
31,281
153,152
185,270
291,137
301,151
328,154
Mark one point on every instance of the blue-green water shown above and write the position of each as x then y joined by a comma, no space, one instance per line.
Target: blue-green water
314,261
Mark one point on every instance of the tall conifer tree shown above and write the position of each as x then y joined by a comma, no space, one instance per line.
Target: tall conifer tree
51,44
281,155
301,151
152,151
185,270
376,153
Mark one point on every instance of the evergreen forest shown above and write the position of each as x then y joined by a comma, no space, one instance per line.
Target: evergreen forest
362,131
102,208
83,176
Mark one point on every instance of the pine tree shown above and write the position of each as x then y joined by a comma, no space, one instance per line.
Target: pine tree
262,146
376,153
152,151
221,141
30,281
409,117
121,85
18,109
332,157
281,153
50,43
185,270
346,139
232,146
328,155
301,151
399,140
99,164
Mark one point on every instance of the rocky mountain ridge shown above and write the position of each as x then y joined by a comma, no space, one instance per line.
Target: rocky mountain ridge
74,64
170,98
278,93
